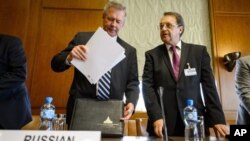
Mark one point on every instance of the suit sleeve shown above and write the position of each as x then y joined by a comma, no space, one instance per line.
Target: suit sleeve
214,112
242,83
16,69
132,89
148,88
58,62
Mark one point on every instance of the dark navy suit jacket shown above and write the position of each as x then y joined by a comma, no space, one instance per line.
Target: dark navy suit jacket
15,105
124,76
158,72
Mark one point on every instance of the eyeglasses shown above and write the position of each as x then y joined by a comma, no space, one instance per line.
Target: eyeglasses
167,25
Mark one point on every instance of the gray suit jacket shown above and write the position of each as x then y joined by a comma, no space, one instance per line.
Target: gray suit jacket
242,85
158,72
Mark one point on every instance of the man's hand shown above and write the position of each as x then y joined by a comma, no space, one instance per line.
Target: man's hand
78,52
221,130
128,111
158,126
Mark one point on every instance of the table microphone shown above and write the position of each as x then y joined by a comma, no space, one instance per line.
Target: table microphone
160,92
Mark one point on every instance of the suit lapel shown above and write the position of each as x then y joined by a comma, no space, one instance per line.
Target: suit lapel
116,70
184,55
166,59
117,67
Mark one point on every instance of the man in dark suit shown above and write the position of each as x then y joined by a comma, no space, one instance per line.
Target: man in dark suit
242,87
180,82
124,76
15,105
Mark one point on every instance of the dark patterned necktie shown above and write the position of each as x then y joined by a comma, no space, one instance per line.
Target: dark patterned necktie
176,62
104,86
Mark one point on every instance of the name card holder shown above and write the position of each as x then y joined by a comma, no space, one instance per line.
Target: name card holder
41,135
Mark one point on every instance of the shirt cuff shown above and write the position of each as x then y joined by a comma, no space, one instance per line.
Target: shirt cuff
67,62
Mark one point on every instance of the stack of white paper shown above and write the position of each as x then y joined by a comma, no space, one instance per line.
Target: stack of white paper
103,54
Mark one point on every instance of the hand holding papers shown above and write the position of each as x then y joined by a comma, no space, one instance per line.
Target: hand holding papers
103,54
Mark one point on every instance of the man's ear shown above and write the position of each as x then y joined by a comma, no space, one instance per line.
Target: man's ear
181,30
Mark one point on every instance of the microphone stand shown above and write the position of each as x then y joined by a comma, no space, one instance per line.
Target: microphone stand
160,92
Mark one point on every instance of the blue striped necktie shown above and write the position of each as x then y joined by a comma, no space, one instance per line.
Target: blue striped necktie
103,91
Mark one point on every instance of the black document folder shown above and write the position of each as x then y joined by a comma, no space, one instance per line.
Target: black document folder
95,115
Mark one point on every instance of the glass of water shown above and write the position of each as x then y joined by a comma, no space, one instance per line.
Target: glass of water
59,122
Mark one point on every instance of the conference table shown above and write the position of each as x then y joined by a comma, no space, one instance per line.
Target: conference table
144,138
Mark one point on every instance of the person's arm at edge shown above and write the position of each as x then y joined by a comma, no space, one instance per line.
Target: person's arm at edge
213,105
132,90
17,71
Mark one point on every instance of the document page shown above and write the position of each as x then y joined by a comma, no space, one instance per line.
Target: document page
103,54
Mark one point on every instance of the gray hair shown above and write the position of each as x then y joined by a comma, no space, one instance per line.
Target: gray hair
115,5
178,17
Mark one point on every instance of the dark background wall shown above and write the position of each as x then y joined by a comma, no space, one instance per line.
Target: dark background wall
230,22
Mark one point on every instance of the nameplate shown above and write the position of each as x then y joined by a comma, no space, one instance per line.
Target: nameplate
31,135
239,132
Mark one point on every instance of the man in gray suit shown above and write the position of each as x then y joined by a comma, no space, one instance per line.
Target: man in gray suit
181,79
242,85
124,76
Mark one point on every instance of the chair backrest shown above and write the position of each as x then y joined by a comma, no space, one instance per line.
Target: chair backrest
130,127
34,124
141,126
